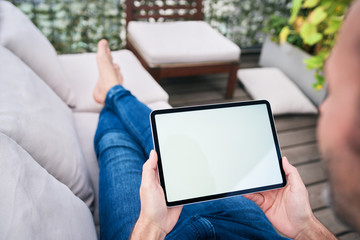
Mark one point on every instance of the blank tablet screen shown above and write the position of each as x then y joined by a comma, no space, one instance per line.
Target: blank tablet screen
216,151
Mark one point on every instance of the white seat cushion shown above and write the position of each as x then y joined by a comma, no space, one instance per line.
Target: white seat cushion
273,85
34,205
181,42
83,74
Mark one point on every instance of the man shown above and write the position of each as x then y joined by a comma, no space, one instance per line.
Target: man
288,209
123,139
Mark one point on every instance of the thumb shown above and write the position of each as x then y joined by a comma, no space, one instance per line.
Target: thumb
291,172
153,160
257,198
150,168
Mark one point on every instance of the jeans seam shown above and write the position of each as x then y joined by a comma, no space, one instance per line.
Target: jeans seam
194,228
206,224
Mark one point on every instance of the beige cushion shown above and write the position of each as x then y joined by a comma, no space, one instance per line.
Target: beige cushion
159,105
33,204
273,85
181,42
19,35
36,118
83,73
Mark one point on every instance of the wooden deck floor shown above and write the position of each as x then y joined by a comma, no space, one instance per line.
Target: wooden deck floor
297,136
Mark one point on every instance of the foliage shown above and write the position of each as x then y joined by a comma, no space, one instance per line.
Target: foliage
77,26
74,26
313,26
242,21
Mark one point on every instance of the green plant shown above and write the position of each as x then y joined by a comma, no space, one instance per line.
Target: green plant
313,26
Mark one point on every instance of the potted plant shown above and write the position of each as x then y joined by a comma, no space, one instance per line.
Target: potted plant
300,44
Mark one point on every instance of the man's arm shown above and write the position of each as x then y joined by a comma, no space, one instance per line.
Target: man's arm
289,210
156,219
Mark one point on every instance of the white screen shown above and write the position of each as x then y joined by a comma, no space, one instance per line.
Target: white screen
217,151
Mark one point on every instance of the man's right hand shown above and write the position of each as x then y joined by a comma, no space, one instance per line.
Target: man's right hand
289,210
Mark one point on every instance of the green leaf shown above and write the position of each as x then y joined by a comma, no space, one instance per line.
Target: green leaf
314,62
320,78
320,81
296,6
310,34
313,39
333,25
317,16
284,34
310,3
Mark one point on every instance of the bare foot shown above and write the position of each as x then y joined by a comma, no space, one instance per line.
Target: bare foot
109,73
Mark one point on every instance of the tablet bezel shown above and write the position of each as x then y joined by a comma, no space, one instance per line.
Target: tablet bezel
208,107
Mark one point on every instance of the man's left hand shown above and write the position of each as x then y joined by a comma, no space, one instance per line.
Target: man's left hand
156,220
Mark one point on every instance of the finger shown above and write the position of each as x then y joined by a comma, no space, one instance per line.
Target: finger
154,162
292,174
288,168
148,170
257,198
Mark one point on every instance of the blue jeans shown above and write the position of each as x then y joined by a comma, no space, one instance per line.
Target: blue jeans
123,142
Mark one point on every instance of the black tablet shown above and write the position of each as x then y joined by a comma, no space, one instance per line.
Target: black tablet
216,151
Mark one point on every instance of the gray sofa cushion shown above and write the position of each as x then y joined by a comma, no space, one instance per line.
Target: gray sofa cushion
86,124
36,118
19,35
33,204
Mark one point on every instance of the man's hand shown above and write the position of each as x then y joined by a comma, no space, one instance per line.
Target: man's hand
289,210
156,219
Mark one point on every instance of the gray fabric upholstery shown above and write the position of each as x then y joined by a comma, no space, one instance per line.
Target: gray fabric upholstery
33,204
36,118
19,35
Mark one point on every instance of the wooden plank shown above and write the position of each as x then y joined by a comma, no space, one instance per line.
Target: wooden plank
287,122
195,83
312,173
201,101
318,196
349,236
328,218
297,137
249,61
302,153
199,90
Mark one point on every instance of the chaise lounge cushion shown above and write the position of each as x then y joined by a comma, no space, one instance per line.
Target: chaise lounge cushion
34,205
273,85
181,42
83,74
40,122
19,35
